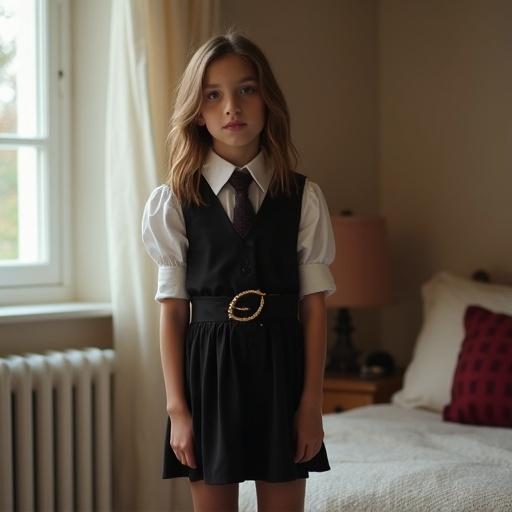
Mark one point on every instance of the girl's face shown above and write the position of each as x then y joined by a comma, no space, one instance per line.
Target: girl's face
231,94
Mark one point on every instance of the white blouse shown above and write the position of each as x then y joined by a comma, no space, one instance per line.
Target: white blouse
165,239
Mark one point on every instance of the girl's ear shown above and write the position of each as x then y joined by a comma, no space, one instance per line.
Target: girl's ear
200,120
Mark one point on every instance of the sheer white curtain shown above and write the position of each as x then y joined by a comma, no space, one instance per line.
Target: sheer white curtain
150,40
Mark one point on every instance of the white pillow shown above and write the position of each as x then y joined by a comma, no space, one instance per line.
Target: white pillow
428,377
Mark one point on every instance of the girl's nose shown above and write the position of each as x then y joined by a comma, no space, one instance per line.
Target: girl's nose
232,106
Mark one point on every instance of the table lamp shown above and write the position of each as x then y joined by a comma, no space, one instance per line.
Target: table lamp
361,271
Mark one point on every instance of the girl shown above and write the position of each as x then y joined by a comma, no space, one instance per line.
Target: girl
242,243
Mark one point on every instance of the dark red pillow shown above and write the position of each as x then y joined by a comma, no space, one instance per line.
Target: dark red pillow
482,382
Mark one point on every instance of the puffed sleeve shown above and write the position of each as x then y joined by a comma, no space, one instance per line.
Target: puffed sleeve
165,240
316,246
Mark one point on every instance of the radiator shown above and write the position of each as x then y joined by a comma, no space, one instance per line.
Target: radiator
56,431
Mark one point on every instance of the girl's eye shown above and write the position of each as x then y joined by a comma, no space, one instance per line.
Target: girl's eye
209,94
248,88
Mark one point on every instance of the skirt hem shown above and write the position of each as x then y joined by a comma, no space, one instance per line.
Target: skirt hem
234,480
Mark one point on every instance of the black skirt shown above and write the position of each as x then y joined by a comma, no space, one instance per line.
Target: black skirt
243,382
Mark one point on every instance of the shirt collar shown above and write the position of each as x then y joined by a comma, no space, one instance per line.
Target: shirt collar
217,171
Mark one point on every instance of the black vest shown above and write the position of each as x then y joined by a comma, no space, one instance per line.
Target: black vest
221,262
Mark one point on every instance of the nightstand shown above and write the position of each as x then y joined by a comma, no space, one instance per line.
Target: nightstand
342,392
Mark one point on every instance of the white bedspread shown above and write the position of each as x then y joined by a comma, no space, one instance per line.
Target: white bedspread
386,458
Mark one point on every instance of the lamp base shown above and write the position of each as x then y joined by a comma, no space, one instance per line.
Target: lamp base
344,357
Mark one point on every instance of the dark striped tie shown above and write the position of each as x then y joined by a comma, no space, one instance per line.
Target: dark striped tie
243,215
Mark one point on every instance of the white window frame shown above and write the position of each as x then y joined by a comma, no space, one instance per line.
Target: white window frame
51,280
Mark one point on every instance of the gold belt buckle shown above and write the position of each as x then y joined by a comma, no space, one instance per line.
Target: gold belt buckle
232,306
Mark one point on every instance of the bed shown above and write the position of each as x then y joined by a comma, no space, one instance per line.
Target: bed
419,452
387,458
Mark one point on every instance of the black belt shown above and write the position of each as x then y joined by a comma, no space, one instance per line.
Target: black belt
245,306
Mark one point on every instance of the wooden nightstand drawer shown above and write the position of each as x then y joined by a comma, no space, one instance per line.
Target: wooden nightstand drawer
343,392
340,401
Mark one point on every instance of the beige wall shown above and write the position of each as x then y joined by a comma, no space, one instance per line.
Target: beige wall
445,164
40,336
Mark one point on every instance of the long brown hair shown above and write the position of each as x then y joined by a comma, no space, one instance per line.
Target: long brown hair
189,142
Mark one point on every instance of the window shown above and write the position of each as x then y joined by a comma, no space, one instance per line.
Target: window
34,161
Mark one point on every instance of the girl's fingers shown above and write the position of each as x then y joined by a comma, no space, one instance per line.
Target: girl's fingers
315,448
308,452
186,457
301,450
191,463
179,456
305,456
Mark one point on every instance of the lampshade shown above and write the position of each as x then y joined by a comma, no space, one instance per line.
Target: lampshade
361,268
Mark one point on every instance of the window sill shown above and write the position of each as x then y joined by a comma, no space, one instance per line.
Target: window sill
56,311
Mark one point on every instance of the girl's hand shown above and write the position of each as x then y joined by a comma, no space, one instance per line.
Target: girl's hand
182,438
308,431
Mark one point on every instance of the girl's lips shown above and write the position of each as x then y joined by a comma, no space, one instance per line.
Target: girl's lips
236,127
